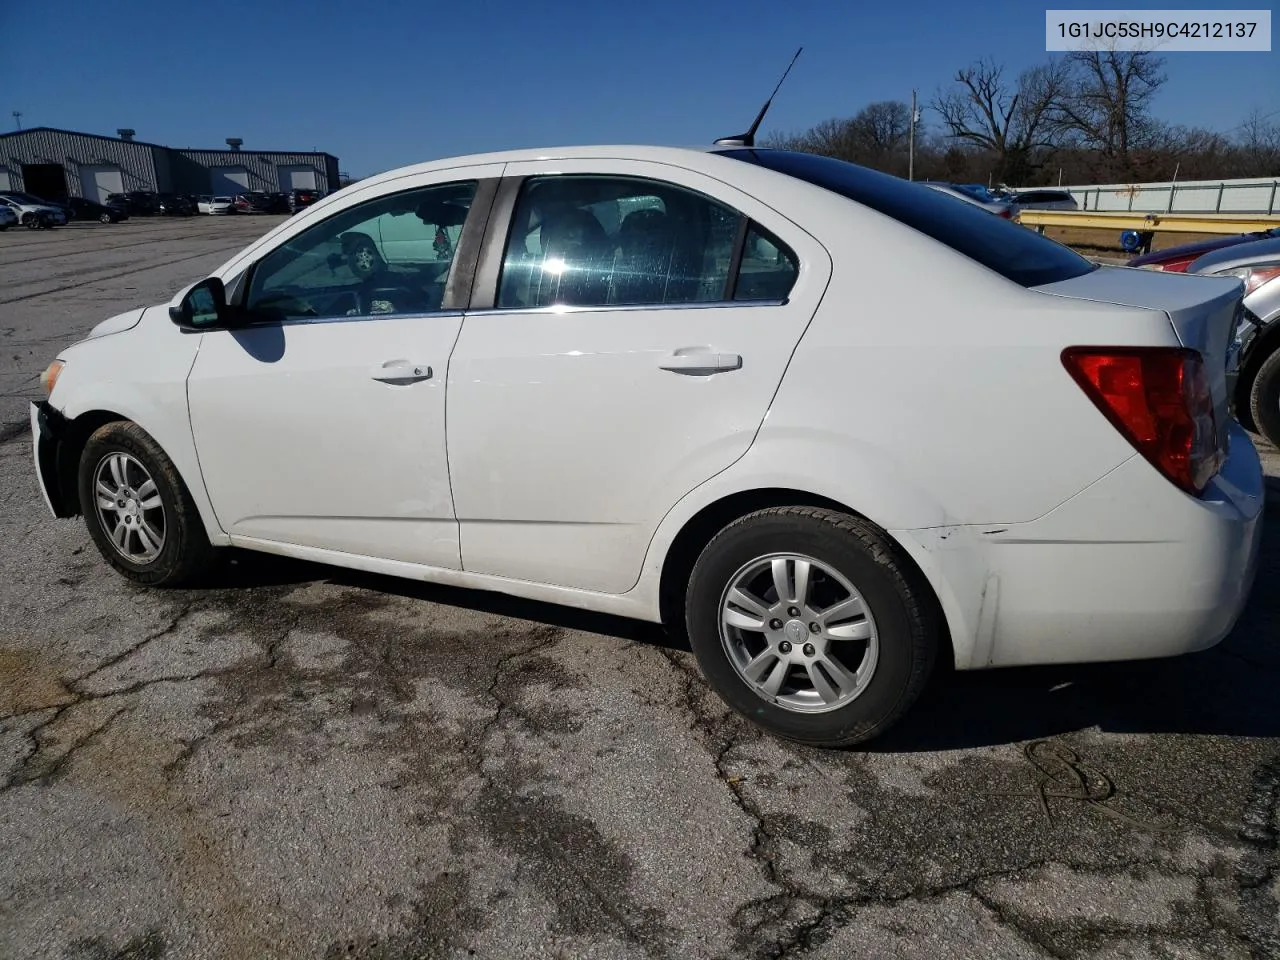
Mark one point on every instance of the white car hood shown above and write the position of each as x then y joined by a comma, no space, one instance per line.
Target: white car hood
117,324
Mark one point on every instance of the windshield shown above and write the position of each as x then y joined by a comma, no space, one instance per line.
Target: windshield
1015,252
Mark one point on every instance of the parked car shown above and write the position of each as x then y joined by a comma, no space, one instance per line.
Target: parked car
301,199
762,475
31,211
1178,259
975,197
259,201
1254,390
1039,199
8,217
215,205
175,205
140,203
82,209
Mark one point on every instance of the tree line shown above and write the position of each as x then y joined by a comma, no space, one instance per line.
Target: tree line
1085,117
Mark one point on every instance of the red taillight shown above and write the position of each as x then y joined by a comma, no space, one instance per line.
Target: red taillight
1159,399
1177,266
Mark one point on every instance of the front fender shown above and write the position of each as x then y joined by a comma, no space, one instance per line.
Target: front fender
143,378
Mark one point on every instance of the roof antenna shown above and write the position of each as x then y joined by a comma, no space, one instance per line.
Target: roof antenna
748,139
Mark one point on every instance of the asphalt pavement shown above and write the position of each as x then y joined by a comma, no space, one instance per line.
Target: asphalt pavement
300,761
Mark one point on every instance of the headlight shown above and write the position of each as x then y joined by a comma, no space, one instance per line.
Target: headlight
1253,277
49,379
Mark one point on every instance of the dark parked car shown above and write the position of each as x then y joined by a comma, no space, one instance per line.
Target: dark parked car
299,198
82,209
175,205
1177,259
140,203
259,201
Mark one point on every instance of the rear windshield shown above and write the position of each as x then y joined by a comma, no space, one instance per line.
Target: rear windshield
1015,252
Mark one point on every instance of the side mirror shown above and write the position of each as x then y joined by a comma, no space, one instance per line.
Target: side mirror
203,308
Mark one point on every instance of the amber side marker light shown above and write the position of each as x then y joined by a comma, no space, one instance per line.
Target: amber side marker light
49,378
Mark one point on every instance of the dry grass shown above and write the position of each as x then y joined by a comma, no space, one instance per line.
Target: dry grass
1107,242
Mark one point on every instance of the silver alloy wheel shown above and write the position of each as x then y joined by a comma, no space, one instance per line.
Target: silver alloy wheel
798,633
364,259
129,507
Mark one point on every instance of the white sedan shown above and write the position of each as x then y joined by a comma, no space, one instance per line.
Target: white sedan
215,205
835,425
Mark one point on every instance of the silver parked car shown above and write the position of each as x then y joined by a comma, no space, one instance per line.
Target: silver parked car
28,209
1255,385
1044,200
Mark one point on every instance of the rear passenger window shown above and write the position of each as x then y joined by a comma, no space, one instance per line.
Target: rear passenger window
768,270
596,241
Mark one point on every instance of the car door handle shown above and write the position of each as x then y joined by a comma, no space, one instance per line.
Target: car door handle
400,371
701,362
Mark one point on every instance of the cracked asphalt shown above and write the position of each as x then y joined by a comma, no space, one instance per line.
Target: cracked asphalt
303,762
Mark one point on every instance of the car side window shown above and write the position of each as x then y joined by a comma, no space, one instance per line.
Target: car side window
598,241
388,255
768,270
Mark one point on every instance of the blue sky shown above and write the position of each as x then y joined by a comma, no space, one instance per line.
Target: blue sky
381,84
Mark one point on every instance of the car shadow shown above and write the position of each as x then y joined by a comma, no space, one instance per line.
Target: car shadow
1229,690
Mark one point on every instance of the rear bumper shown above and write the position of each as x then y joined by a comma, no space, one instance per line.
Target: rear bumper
1131,568
48,427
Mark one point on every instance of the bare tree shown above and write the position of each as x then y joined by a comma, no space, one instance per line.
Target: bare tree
1108,106
1258,139
1011,119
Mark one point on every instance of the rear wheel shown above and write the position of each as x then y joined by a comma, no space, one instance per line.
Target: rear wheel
1264,398
104,217
811,624
138,511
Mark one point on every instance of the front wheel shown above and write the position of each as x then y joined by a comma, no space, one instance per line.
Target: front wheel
105,218
138,511
1264,399
812,624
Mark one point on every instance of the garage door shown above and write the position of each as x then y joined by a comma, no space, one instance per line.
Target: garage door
297,177
228,181
7,182
96,181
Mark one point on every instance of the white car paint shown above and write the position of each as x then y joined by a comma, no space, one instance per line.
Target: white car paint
214,205
900,380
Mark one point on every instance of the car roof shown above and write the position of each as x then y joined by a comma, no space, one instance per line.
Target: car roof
1239,255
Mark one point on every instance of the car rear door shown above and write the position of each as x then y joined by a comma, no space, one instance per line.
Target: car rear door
321,423
608,366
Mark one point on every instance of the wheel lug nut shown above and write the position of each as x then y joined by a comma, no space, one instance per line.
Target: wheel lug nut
775,624
815,627
793,612
809,650
784,646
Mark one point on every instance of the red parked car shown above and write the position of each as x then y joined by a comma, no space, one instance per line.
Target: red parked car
1177,259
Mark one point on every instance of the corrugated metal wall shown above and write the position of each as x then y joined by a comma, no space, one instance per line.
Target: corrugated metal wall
264,173
135,160
147,166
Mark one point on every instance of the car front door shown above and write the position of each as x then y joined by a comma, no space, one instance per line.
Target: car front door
630,325
320,422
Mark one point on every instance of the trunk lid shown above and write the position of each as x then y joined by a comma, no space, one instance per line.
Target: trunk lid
1204,312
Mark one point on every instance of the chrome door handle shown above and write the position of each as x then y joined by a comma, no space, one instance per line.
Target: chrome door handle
701,362
400,371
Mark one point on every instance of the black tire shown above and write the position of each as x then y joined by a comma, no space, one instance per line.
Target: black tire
363,258
902,606
186,555
1264,398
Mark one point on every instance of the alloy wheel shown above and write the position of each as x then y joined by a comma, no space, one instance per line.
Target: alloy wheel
129,507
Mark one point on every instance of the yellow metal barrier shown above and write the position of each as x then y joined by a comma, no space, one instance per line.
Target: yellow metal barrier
1225,223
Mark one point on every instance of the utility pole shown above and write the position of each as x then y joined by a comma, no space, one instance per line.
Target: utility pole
17,117
911,140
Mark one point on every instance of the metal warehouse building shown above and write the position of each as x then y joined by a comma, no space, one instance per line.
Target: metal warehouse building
56,164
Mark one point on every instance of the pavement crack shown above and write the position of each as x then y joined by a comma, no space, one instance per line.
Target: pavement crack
31,770
185,610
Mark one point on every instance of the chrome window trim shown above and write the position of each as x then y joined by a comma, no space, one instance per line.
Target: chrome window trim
362,318
628,307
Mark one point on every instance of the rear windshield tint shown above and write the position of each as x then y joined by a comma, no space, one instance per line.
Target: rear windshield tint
1015,252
